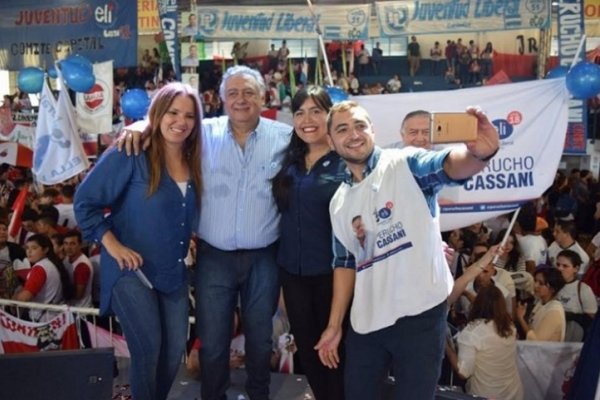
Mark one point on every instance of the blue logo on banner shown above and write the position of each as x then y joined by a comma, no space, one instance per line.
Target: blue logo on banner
356,17
504,128
106,15
396,18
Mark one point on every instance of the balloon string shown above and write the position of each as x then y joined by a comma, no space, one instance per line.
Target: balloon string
579,50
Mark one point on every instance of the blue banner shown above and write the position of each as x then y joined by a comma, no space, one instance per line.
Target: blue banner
284,22
570,31
167,12
412,17
37,33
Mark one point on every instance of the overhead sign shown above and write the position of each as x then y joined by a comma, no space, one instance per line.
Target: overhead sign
283,22
400,18
148,21
591,12
35,33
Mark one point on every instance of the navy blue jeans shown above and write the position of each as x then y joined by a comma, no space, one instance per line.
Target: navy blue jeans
221,278
155,326
413,347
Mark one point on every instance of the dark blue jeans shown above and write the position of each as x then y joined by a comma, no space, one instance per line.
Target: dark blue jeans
155,325
221,278
413,347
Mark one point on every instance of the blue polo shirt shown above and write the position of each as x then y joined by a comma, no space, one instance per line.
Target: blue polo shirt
305,247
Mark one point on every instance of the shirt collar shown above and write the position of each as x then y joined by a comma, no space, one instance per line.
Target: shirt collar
369,166
255,130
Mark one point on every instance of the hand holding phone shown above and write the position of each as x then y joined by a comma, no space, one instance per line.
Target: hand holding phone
452,127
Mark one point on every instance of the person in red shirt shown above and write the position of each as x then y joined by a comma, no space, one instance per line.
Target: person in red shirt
47,281
79,268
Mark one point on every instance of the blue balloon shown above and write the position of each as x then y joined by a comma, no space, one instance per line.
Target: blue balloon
81,61
557,72
135,103
583,80
77,76
336,94
30,80
52,72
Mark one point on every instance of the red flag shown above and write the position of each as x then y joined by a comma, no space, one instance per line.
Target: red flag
19,205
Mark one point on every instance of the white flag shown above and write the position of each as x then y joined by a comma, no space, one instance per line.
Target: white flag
94,108
58,153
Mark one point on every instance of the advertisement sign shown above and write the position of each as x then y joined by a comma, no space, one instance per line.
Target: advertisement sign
400,18
38,33
283,22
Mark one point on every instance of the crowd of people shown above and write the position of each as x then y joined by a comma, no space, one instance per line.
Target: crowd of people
350,61
257,207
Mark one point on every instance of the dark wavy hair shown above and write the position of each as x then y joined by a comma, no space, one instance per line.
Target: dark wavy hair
45,243
514,255
490,305
297,149
553,277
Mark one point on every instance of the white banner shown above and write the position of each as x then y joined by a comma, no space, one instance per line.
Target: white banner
545,366
94,108
401,18
531,118
283,22
58,153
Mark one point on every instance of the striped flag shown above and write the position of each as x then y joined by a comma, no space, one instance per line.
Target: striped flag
18,206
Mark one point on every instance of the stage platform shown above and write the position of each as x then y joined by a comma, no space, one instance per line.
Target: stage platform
283,386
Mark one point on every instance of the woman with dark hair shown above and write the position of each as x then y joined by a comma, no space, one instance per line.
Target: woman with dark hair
512,261
577,297
154,200
547,320
311,173
487,349
47,281
486,61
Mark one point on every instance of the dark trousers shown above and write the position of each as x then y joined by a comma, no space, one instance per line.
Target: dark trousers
308,302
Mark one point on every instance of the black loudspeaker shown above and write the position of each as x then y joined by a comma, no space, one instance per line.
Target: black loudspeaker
58,375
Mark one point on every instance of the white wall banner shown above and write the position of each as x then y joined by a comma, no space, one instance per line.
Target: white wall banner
283,22
94,108
531,118
401,18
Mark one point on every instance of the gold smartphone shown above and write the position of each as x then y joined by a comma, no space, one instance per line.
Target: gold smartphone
452,127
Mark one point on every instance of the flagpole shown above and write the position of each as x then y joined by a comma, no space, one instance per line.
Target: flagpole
321,42
579,50
507,234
